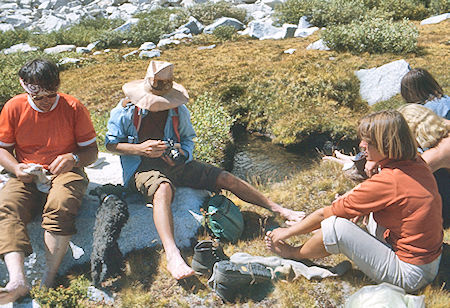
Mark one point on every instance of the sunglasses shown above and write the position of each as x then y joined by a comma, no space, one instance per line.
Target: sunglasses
40,97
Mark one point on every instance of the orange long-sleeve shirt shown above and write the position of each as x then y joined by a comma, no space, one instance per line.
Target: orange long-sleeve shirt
405,200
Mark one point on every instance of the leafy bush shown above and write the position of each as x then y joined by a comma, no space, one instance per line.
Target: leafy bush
81,34
225,33
399,9
333,12
62,297
13,37
207,12
439,6
374,36
212,124
321,13
151,26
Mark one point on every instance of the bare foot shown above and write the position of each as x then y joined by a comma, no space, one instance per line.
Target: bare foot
177,267
281,248
13,291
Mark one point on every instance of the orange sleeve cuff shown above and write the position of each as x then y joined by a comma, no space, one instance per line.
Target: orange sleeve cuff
328,211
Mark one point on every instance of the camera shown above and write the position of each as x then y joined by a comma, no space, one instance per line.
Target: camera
173,153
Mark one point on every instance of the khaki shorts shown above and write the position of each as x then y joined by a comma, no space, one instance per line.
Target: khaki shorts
21,202
194,174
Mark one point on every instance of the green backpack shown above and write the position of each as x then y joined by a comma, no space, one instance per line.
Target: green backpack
223,218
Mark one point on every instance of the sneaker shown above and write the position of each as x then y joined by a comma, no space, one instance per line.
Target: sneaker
205,256
230,280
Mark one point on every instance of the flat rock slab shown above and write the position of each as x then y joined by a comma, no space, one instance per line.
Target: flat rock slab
139,232
381,83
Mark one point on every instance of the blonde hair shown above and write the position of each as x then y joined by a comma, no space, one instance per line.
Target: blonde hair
389,133
427,127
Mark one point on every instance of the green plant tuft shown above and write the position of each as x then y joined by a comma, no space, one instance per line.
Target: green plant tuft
374,36
63,297
212,124
225,33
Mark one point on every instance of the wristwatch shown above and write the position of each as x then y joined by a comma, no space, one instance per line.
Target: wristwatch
76,158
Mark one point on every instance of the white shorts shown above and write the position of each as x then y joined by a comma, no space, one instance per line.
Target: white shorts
373,256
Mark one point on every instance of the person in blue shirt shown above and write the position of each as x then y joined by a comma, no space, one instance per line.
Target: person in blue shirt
152,113
418,86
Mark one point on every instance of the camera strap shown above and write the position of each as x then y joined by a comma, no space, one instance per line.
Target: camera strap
175,121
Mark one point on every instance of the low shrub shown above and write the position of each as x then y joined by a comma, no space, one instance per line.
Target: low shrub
374,35
81,34
399,9
321,13
207,12
151,26
61,296
13,37
439,7
212,124
225,33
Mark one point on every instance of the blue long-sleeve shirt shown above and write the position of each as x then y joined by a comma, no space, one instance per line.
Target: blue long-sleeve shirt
121,129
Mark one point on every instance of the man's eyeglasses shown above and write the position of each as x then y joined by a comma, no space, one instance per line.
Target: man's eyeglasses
40,97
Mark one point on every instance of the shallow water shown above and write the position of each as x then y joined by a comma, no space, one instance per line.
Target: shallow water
259,160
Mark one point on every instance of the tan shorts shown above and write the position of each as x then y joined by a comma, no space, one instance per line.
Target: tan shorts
194,174
21,202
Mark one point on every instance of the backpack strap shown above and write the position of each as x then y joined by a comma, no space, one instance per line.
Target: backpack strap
176,122
137,118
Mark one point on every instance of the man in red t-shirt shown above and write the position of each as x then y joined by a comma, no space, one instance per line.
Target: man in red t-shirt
54,131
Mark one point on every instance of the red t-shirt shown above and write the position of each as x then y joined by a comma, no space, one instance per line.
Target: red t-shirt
404,199
39,137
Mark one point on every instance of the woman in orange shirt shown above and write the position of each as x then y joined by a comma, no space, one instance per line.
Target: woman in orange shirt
403,244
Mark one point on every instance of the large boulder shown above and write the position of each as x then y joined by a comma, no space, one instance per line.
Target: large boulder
381,83
223,21
139,232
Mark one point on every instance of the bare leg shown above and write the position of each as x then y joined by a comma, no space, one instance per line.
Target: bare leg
55,249
17,285
312,249
248,193
162,216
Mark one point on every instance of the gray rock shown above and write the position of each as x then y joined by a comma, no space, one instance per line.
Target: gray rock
98,296
6,27
207,47
150,53
130,54
166,42
260,28
381,83
65,61
290,51
82,50
96,53
286,31
303,23
304,32
17,21
435,19
128,8
224,21
91,46
318,45
22,47
271,3
59,49
194,26
138,233
127,25
147,46
51,23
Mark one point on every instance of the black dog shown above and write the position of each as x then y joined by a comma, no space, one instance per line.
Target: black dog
112,214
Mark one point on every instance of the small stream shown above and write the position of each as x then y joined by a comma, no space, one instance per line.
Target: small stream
257,159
